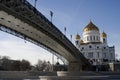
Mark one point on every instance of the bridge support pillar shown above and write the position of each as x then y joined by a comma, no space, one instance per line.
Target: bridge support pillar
75,66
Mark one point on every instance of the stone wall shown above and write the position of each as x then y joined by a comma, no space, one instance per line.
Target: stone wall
24,74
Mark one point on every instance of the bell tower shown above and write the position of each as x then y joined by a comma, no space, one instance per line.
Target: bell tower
104,38
77,40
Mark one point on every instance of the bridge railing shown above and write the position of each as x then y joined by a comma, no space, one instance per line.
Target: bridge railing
25,9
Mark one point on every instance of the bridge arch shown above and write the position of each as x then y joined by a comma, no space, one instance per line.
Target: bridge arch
21,19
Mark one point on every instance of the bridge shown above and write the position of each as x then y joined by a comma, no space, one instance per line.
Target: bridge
20,18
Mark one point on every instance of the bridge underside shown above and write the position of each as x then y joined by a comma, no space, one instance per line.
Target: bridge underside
25,29
45,35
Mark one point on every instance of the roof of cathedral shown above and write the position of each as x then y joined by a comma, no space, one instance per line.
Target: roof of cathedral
77,36
103,34
90,27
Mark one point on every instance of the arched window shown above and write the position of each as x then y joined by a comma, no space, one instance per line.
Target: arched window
94,38
98,54
91,38
105,55
103,40
111,55
97,38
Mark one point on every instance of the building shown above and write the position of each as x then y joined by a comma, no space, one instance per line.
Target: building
94,46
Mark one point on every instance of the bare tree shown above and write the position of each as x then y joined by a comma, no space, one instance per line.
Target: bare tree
44,66
41,65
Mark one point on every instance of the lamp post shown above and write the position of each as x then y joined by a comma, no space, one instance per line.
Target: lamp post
35,3
65,31
71,37
51,15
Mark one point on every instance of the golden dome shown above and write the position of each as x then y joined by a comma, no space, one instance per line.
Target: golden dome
103,34
90,27
77,36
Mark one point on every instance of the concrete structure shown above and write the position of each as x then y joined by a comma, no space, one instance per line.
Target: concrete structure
94,46
20,18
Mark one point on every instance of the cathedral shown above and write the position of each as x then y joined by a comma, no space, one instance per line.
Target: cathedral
93,45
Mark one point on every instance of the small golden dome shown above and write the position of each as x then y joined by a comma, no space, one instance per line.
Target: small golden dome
90,27
77,36
81,41
103,34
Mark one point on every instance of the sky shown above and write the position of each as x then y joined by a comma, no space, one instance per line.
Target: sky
72,14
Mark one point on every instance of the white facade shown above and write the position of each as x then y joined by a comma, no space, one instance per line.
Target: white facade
94,45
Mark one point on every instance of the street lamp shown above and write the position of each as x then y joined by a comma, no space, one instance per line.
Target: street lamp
65,31
51,15
35,3
71,37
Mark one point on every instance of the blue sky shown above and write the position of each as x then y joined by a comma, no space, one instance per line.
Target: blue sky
72,14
